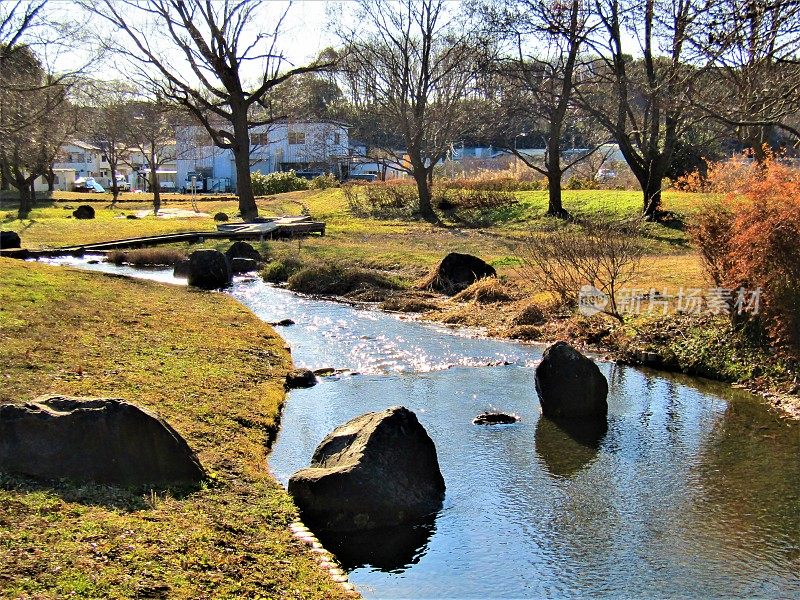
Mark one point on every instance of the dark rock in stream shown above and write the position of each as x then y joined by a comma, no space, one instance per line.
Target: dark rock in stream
282,323
243,250
570,386
325,372
495,418
300,378
94,440
209,269
181,268
377,470
243,265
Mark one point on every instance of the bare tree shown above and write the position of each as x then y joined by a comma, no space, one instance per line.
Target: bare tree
151,133
194,53
754,46
542,71
644,103
36,118
16,18
412,66
112,113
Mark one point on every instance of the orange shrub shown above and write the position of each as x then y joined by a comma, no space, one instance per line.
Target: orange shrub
751,239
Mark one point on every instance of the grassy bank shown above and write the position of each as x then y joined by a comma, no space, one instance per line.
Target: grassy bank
215,372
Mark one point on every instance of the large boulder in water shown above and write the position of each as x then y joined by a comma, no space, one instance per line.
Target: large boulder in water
83,212
242,250
457,272
9,239
209,269
377,470
94,440
569,385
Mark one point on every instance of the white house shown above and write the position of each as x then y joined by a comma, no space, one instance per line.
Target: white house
320,146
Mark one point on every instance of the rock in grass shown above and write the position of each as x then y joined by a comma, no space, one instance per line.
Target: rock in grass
220,217
9,239
243,265
94,440
570,386
379,469
457,272
243,250
300,378
209,269
83,212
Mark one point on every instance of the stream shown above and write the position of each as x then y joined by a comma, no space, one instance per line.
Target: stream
693,491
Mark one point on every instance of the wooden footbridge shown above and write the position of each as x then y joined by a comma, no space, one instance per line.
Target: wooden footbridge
284,227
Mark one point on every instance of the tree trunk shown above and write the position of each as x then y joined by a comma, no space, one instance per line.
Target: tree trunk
244,182
425,196
652,196
51,180
24,198
33,193
554,206
154,187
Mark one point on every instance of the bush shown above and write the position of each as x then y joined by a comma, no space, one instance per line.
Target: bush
752,242
280,270
323,182
493,182
475,208
146,257
277,183
604,254
337,280
383,199
484,291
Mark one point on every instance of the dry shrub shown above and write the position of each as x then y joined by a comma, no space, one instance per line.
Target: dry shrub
603,253
753,242
146,257
409,304
525,332
475,208
338,280
383,199
720,177
530,314
493,182
484,291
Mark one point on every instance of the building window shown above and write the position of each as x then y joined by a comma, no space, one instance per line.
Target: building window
259,139
297,137
337,139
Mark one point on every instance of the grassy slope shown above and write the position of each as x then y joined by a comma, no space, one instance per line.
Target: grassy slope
215,372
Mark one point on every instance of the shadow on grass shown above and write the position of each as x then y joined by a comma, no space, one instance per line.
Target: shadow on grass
111,497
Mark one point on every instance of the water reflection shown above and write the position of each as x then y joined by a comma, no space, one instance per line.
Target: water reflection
565,446
390,549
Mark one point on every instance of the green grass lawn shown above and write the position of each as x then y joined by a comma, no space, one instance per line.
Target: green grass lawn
210,368
409,248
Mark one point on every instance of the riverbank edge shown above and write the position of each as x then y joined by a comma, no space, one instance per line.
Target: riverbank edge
640,343
47,349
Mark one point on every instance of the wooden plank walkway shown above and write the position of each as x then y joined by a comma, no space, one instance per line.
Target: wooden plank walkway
275,229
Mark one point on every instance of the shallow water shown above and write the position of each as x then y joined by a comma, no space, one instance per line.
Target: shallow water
693,491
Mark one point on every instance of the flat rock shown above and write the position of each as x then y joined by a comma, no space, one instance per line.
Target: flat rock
94,440
495,418
300,378
377,470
